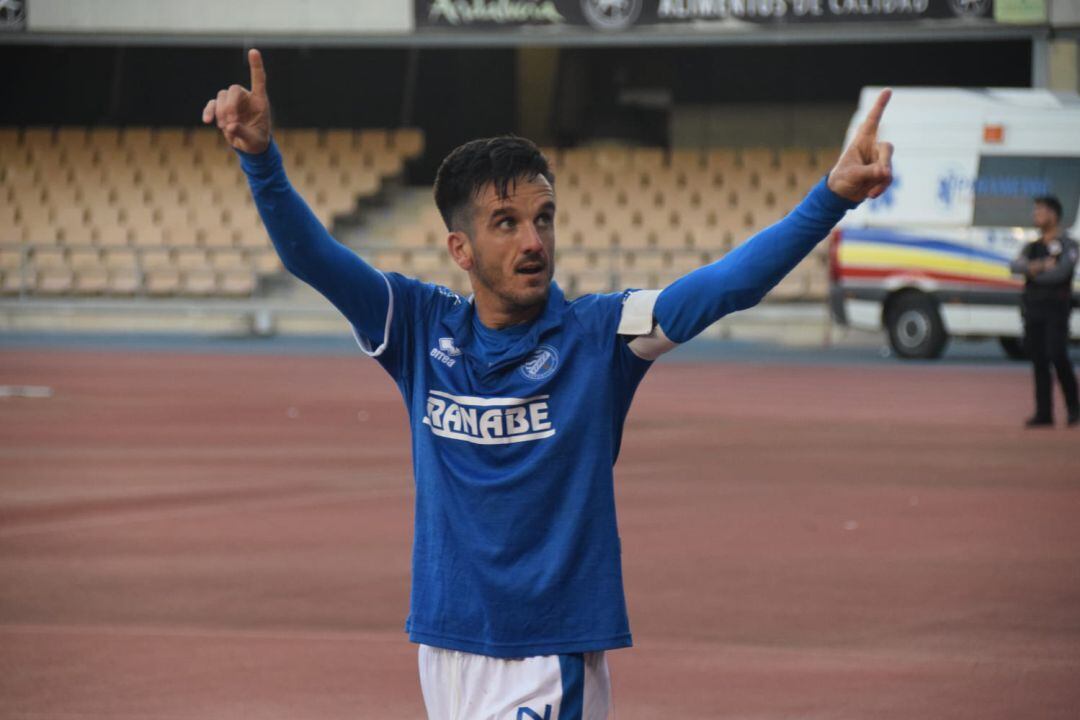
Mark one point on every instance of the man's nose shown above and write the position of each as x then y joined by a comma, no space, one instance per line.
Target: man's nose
530,239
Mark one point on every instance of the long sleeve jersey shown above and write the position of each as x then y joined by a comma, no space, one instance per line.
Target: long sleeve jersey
515,432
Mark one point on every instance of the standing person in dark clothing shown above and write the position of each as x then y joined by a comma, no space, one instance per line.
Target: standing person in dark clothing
1048,265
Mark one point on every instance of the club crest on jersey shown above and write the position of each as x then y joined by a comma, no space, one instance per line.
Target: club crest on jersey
541,363
488,420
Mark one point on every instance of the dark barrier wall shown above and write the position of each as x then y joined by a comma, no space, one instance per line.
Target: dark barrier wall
795,74
459,94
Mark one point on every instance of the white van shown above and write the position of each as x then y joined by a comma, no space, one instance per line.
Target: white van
929,259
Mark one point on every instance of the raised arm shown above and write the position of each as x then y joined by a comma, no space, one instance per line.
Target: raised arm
307,250
741,278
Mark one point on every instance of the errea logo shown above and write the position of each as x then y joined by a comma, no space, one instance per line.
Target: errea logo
446,352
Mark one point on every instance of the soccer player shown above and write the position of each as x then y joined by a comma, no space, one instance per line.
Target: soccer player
516,398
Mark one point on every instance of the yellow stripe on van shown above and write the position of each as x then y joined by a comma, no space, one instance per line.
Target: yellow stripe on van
875,255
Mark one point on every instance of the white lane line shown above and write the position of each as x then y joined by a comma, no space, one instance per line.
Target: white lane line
26,391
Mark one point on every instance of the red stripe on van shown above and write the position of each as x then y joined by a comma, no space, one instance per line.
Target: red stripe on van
860,272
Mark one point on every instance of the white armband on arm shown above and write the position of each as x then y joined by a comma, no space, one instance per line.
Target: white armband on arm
649,341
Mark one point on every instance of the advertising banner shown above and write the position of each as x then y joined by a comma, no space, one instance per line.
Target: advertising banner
623,15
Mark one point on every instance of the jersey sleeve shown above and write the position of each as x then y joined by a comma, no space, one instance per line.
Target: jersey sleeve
604,317
413,305
309,252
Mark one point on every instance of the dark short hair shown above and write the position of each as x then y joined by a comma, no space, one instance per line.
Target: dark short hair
1051,202
470,167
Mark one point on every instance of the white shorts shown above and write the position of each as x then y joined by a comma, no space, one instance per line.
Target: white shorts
463,686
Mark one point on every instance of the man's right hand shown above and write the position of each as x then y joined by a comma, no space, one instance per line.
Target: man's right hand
242,115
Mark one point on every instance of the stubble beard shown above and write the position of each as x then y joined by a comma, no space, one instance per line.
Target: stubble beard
492,281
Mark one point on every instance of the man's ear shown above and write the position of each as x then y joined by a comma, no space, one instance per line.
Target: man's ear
461,250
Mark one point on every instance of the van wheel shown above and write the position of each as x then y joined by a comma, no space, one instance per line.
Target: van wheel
1014,348
915,327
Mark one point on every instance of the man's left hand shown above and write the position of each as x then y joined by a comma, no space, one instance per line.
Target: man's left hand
865,168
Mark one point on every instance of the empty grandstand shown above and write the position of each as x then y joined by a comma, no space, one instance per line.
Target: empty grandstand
165,212
670,145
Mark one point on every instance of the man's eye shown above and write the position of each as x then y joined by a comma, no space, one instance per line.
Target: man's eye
543,220
506,224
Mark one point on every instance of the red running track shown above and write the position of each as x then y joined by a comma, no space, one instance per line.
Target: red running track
196,536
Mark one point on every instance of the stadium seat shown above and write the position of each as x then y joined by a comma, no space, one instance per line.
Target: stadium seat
55,281
38,138
148,235
8,215
83,258
91,280
266,262
13,261
155,259
228,259
409,142
42,236
120,259
200,282
251,237
217,237
171,139
191,258
111,236
123,282
162,281
13,282
96,195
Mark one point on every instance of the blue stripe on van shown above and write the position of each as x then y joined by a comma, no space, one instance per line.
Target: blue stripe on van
890,237
572,668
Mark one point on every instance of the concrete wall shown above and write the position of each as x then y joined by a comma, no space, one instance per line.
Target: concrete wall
760,124
1064,13
1064,65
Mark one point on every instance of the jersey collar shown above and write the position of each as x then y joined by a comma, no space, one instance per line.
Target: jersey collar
460,319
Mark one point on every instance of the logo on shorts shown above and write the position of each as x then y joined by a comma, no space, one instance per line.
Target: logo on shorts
541,363
525,713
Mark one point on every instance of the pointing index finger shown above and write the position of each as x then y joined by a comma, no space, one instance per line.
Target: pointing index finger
873,118
258,73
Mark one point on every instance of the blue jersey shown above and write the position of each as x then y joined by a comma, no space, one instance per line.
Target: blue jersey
515,431
514,435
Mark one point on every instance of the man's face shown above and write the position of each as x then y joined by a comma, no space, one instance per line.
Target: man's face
1043,217
512,244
